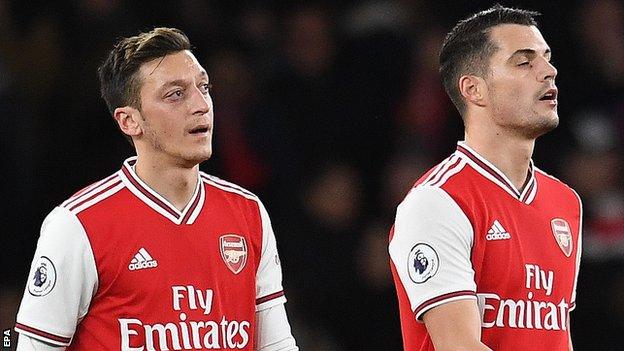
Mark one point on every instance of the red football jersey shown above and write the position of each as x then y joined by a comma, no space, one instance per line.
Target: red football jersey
465,232
119,267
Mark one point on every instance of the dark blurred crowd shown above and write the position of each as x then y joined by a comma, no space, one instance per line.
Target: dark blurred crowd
327,110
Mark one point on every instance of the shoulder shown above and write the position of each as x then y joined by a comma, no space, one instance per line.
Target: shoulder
425,201
551,183
62,231
233,193
247,202
59,218
423,195
545,176
226,187
93,194
440,174
439,184
558,194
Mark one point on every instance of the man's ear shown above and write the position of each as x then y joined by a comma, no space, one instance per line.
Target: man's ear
128,118
473,89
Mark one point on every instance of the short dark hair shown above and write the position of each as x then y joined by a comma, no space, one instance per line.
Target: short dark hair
467,47
120,83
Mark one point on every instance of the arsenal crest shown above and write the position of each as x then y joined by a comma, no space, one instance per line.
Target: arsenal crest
233,251
563,235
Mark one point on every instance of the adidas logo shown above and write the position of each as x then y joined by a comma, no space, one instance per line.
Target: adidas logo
142,260
497,232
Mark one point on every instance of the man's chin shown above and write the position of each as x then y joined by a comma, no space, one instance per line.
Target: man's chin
201,158
547,124
552,122
192,160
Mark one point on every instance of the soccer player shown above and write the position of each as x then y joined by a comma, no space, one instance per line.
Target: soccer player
485,247
157,256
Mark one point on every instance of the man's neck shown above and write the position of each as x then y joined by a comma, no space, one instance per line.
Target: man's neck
509,154
173,182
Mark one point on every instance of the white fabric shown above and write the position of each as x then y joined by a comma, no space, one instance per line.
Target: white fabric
269,274
429,216
26,343
273,331
64,241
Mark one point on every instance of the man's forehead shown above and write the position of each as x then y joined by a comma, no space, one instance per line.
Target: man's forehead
181,63
510,38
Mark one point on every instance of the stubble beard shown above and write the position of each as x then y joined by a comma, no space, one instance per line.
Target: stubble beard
187,159
529,124
538,125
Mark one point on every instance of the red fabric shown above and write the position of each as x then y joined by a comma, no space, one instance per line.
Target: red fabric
501,265
187,256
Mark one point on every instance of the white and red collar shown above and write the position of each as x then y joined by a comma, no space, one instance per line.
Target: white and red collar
156,201
488,170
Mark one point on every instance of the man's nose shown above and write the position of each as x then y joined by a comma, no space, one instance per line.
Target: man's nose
548,71
200,103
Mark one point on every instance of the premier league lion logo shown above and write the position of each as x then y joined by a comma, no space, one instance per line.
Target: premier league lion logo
420,262
41,275
423,263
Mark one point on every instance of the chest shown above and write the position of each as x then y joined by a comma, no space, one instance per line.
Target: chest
150,265
520,249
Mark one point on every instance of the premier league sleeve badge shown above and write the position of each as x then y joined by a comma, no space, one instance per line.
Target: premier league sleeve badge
422,263
43,278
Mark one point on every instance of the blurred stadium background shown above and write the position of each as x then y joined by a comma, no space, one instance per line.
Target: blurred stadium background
328,110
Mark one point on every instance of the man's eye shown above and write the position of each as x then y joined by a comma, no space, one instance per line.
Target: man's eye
176,93
523,63
207,87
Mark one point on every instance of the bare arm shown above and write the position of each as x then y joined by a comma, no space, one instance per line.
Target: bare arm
456,326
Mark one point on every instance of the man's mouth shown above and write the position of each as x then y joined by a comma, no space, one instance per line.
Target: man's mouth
550,95
199,130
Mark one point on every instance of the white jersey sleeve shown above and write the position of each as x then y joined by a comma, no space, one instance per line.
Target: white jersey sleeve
269,291
273,330
62,280
430,249
26,343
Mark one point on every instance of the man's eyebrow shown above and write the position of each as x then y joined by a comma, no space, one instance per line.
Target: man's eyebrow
172,83
528,52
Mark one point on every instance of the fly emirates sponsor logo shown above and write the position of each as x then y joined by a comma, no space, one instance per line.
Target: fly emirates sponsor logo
497,311
185,334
